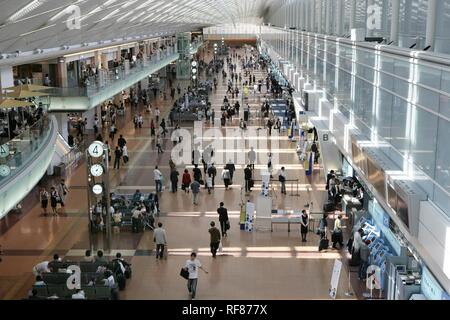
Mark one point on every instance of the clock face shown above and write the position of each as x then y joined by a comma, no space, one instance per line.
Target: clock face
4,151
4,170
96,149
97,189
97,170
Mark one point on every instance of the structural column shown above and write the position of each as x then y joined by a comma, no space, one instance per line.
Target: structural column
352,14
369,32
6,77
319,18
62,73
63,124
328,17
339,16
90,116
313,16
395,17
431,24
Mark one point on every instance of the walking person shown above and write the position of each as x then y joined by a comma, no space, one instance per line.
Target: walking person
157,114
252,158
43,197
63,191
304,225
117,156
226,178
152,128
282,179
248,178
125,154
195,187
158,144
364,255
214,239
231,168
160,239
337,237
186,181
158,177
192,265
223,219
212,172
174,180
54,198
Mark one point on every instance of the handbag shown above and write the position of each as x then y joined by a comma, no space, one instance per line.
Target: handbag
227,225
184,273
220,247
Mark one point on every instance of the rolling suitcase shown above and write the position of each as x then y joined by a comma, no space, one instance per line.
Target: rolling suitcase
324,244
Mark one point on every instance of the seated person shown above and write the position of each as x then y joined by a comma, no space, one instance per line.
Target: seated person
109,279
100,257
136,220
137,196
79,295
39,281
41,268
88,256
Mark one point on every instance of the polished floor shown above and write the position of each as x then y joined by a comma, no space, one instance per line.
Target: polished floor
256,265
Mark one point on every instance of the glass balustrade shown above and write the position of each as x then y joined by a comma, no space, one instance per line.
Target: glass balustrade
106,78
21,151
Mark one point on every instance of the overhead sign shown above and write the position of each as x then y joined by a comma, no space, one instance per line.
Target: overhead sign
335,278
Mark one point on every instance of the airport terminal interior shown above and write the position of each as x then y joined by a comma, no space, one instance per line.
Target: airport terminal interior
289,149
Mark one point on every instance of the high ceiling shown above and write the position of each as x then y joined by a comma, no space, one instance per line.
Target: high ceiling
26,25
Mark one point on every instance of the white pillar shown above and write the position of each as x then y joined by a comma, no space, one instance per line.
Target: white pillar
319,18
369,32
90,115
63,124
431,24
313,15
328,18
352,14
395,17
339,16
6,77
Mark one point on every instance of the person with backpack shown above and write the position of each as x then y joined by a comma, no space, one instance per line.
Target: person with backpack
174,180
120,266
214,238
231,168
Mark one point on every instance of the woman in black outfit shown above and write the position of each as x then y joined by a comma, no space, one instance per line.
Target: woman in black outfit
304,225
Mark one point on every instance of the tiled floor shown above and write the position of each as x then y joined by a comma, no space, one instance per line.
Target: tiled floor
257,265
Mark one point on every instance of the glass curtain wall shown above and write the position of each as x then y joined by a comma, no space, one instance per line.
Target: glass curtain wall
400,100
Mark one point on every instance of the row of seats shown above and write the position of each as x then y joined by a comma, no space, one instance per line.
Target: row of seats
98,292
85,266
61,277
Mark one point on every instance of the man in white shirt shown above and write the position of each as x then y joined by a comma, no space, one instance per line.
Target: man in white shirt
192,265
158,179
159,236
79,295
41,268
